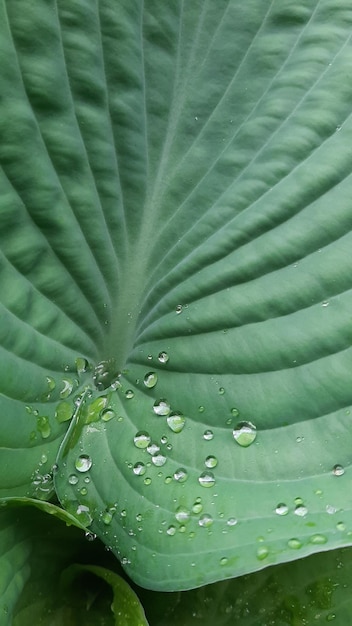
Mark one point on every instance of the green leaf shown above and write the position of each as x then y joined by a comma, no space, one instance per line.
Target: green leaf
175,214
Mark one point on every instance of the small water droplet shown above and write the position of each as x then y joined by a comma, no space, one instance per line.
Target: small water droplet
82,365
150,379
205,521
262,553
232,521
67,388
201,409
163,439
147,481
139,468
158,460
161,407
83,463
224,560
211,462
281,509
338,470
182,514
171,530
163,357
197,506
206,479
244,433
107,415
63,412
43,426
168,480
107,515
51,383
84,514
221,391
208,435
340,526
179,309
153,448
338,127
129,394
142,439
294,544
325,303
73,479
235,412
43,459
180,475
176,422
90,536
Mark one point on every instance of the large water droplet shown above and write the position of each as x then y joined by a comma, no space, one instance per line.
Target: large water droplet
171,530
182,514
150,379
208,435
206,479
83,463
159,460
153,448
281,509
163,357
180,475
244,433
197,506
205,521
161,407
176,422
63,412
211,462
262,553
67,388
142,439
301,510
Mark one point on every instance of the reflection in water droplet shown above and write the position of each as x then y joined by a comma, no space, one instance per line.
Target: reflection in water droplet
150,379
73,479
338,470
211,462
129,394
281,509
163,357
83,463
176,422
208,435
139,468
142,439
182,514
205,521
244,433
180,475
294,544
161,407
159,460
206,479
262,553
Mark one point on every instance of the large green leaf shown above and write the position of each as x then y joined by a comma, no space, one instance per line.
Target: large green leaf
175,211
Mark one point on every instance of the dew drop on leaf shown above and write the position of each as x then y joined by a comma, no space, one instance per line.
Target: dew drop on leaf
301,510
163,357
67,388
161,407
171,530
262,553
179,309
129,394
211,461
244,433
107,415
224,560
158,460
153,448
176,422
206,479
197,506
63,412
208,435
205,521
73,479
150,379
139,468
43,426
142,439
338,470
232,521
318,539
83,463
180,475
182,514
294,544
281,509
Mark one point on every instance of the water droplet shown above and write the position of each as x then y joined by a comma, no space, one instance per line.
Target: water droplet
208,435
161,407
318,539
221,391
281,509
67,388
168,480
331,509
224,560
232,521
43,459
73,479
338,127
294,544
235,412
129,394
244,433
171,530
83,491
176,422
51,383
107,415
179,309
197,506
163,357
182,514
211,462
108,514
84,514
153,448
90,536
340,526
63,412
262,553
142,439
83,463
139,468
159,460
82,365
43,426
150,379
325,303
147,481
301,510
163,439
201,409
338,470
180,475
206,479
205,521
